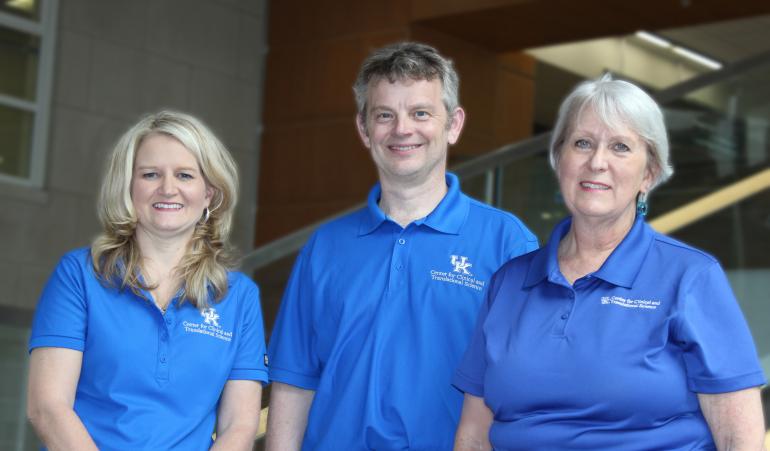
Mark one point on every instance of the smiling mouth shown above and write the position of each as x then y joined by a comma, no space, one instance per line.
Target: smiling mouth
404,148
166,206
598,186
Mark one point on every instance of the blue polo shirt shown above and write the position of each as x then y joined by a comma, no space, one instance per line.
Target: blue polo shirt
149,381
376,316
614,361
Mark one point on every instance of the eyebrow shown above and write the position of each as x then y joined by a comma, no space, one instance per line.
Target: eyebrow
422,106
184,168
416,106
612,137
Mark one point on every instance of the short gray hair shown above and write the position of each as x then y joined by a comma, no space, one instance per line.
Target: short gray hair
616,103
407,61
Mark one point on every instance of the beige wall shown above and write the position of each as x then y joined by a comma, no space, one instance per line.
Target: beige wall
116,60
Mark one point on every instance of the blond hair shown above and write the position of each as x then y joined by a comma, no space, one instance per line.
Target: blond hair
203,270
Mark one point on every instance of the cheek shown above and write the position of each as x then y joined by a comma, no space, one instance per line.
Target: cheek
136,191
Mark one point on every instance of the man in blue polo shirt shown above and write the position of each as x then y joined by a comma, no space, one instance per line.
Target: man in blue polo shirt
381,303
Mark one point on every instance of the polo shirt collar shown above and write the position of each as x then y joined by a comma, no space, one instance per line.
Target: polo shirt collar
620,268
448,216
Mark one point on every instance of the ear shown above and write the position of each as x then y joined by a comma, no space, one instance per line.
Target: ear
362,132
209,194
651,172
457,119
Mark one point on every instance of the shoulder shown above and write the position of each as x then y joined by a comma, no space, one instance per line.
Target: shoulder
672,249
240,282
331,234
514,272
81,254
76,260
481,212
347,223
518,266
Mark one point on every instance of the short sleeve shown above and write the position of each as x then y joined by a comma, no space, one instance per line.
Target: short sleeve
292,353
61,316
522,242
469,377
249,363
719,353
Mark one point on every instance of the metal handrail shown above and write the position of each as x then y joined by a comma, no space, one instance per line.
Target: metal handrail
488,162
712,203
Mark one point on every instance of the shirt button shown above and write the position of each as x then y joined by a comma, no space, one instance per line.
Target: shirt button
168,321
401,241
565,316
163,359
399,266
164,336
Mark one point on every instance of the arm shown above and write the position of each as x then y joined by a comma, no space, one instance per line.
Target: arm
475,421
238,415
53,379
289,407
735,419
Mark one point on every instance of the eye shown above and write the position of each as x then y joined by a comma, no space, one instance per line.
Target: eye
383,116
421,115
583,144
620,147
149,175
185,176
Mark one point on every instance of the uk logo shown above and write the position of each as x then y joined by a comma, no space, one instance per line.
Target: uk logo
461,264
210,316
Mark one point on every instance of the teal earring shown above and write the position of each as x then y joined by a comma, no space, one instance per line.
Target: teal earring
641,204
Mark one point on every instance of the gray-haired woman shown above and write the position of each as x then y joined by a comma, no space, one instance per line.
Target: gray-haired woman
612,336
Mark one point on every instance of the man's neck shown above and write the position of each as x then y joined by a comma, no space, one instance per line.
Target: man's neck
406,202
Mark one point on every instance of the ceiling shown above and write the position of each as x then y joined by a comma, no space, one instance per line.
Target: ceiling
727,41
515,25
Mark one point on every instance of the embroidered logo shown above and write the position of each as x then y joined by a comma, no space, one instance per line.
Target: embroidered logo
459,274
210,326
461,264
630,303
210,316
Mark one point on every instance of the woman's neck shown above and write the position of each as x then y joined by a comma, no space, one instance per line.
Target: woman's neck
588,244
160,258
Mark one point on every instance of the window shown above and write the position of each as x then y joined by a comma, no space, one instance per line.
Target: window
27,29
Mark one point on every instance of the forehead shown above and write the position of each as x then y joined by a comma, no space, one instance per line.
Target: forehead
384,92
162,148
589,119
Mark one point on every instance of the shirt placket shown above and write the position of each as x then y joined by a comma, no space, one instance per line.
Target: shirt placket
164,344
400,259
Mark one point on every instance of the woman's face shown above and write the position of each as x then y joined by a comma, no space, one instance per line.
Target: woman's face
601,171
167,188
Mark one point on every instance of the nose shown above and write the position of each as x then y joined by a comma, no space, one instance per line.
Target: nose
598,161
167,186
403,125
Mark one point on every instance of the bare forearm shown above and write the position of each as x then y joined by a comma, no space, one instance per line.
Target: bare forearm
61,429
735,419
473,431
238,415
239,437
466,442
286,423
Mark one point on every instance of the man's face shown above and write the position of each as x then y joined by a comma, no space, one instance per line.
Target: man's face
408,130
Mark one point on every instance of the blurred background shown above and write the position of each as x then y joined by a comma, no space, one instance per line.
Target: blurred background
273,79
